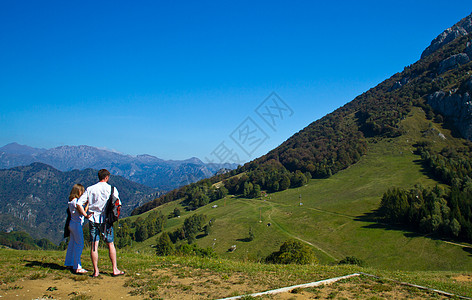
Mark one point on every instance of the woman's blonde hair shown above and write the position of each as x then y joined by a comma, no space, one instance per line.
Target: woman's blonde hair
76,192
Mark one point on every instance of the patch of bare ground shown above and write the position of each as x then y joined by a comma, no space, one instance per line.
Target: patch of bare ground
189,283
68,287
463,278
161,284
358,288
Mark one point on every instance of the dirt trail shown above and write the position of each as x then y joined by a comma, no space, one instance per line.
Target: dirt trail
82,287
296,237
341,215
201,285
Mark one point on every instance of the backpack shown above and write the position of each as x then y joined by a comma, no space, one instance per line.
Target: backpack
113,208
66,226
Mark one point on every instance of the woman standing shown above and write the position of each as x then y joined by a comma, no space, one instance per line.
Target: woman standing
76,241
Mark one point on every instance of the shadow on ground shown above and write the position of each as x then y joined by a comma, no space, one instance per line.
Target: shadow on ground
376,223
245,240
53,266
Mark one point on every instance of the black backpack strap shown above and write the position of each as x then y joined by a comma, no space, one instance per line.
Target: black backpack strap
109,206
110,198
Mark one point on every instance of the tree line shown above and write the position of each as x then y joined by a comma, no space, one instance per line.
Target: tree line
128,231
191,193
181,241
21,240
445,212
268,178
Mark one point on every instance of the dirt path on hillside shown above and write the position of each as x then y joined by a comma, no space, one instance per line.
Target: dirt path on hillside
294,236
75,286
336,214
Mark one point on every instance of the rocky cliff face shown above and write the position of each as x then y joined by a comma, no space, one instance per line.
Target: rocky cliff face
454,103
462,28
456,106
452,62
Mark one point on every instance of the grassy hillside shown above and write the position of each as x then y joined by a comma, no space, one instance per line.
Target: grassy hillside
341,138
334,218
355,154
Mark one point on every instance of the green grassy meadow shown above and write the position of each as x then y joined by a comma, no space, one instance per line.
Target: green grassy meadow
334,215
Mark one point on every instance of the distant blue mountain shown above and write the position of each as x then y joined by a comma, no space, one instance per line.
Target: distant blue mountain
163,175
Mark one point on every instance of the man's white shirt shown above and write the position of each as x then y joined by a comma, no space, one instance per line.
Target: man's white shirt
97,196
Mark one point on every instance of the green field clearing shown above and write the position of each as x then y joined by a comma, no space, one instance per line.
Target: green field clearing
334,216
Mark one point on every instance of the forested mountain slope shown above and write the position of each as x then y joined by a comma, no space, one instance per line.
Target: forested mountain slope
440,83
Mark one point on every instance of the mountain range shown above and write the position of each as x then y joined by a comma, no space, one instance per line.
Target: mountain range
163,175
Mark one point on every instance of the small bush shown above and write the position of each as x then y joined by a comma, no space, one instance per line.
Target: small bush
351,260
189,250
292,252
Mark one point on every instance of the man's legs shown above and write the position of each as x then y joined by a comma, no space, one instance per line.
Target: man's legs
94,257
94,240
109,238
112,254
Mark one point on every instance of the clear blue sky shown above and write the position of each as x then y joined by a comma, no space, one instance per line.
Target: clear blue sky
174,79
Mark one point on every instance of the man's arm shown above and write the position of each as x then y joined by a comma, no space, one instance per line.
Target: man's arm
83,199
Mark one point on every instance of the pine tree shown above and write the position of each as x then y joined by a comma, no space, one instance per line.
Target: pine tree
164,245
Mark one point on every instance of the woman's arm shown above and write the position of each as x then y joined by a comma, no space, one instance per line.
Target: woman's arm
81,210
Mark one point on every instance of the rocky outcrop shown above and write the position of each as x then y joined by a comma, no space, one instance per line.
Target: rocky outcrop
468,50
457,60
456,106
452,62
462,28
400,83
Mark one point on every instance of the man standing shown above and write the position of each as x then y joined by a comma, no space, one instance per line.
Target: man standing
97,196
